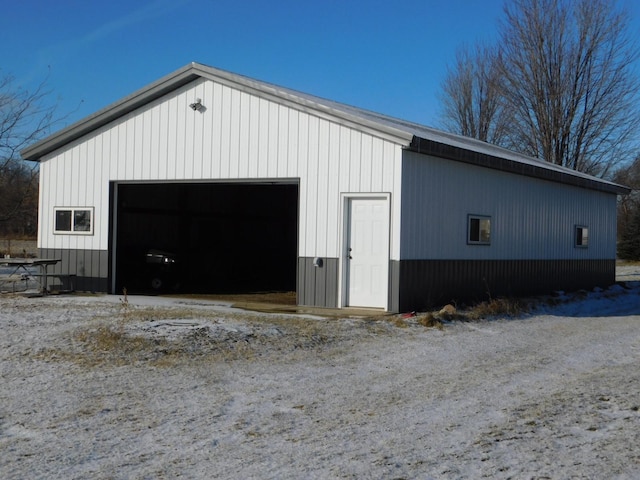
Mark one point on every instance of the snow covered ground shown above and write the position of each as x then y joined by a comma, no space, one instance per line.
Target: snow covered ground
153,388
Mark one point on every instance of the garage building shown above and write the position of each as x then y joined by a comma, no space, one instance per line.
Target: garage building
211,182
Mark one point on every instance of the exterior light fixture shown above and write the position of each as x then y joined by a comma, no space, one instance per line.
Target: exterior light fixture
197,105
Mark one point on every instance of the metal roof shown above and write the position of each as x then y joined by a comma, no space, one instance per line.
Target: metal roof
413,136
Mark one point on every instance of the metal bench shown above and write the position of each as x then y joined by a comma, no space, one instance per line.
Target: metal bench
13,282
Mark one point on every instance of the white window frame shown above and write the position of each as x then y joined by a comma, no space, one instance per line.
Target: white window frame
74,227
480,240
580,240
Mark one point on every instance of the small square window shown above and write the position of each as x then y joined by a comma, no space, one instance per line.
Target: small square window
479,230
73,220
582,236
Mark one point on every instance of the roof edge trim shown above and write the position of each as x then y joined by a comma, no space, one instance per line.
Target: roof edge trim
111,112
317,106
187,74
450,152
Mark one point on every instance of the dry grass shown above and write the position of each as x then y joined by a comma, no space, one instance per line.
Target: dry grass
430,320
632,263
130,337
108,344
399,322
131,334
510,307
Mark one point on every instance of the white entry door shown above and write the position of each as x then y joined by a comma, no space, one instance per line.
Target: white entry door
367,252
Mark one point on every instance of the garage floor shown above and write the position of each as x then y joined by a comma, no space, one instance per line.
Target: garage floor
281,302
271,298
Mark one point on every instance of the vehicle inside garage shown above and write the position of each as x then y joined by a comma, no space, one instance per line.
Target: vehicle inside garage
206,237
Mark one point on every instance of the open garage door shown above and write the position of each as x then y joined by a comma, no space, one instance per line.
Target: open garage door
205,237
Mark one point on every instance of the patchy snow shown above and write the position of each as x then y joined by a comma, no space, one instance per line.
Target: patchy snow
201,390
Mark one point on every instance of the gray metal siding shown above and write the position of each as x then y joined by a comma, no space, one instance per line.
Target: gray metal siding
90,267
469,150
433,283
318,286
394,286
530,218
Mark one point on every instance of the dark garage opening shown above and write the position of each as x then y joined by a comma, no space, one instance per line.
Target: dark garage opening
208,238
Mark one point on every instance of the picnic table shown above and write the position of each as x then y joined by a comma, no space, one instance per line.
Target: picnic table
21,271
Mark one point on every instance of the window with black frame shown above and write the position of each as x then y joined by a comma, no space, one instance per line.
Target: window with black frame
582,236
479,230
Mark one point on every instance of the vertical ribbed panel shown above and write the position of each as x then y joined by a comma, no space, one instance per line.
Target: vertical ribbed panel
90,267
318,286
429,283
530,218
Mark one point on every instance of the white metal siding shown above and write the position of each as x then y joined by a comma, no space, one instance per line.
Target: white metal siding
238,136
530,218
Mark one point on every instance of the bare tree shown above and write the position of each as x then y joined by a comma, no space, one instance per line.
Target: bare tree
471,103
18,199
565,75
24,118
566,69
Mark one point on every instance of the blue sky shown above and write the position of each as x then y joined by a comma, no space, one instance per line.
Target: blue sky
388,56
